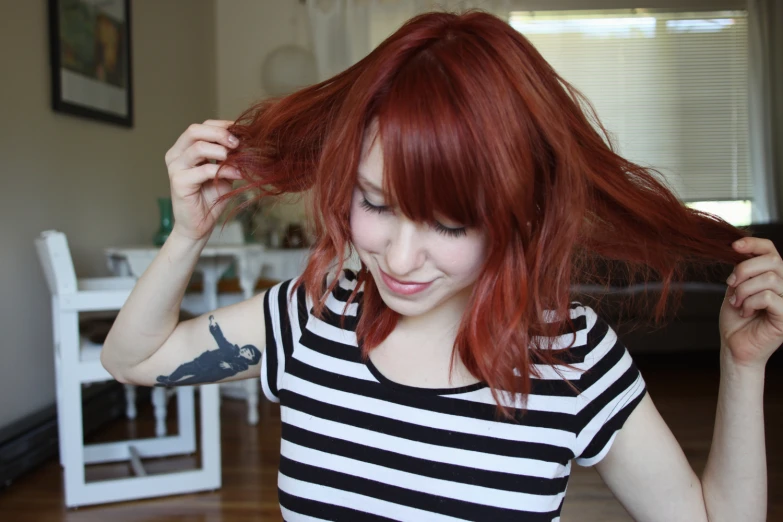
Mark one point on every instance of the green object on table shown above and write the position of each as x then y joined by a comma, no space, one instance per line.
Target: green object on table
166,221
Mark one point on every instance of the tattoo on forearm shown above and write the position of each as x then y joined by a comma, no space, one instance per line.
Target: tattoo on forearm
213,365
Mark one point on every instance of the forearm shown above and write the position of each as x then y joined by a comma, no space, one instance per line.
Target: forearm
735,477
151,313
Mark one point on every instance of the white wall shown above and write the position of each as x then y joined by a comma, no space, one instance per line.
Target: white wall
246,31
94,181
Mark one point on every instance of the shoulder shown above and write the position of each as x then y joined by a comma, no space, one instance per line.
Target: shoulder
343,284
344,299
609,383
585,332
591,329
583,314
347,278
605,362
291,298
595,349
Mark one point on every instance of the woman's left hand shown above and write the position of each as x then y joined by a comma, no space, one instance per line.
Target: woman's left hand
751,318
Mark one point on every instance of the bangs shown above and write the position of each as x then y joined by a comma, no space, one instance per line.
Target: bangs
431,166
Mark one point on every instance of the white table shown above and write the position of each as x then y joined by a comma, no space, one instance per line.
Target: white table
213,263
252,262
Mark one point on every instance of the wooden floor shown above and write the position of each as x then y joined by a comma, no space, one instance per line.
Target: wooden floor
685,394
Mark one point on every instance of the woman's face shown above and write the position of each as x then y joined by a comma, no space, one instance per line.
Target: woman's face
417,267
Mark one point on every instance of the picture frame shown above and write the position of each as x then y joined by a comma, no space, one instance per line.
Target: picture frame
90,57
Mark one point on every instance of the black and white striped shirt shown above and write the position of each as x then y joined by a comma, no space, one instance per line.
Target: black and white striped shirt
356,446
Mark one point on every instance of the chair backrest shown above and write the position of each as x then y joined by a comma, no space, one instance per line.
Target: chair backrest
56,261
230,234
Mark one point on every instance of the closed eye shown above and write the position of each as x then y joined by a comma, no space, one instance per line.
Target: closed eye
378,209
440,228
451,232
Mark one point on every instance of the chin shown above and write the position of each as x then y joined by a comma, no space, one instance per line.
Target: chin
405,308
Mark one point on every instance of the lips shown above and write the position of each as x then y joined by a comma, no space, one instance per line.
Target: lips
401,287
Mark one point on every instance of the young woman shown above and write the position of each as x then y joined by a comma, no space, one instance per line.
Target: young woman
452,378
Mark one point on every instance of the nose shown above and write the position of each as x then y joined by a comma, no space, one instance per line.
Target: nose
405,251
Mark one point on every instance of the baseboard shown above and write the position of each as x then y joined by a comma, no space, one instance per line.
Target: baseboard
31,441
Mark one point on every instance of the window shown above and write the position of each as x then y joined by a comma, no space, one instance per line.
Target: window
671,89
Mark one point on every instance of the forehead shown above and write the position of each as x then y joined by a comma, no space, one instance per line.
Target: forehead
421,173
371,161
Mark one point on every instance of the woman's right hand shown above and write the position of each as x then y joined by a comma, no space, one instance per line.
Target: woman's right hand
191,176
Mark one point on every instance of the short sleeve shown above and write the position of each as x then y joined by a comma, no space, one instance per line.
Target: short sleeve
282,321
611,385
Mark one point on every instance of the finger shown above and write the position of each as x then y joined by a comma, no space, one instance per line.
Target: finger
197,176
224,124
200,132
767,300
754,285
197,154
755,246
754,266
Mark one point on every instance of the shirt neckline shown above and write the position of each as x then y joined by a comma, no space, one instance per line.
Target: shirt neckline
405,388
416,390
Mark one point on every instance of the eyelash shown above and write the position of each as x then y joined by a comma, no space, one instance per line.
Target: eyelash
446,231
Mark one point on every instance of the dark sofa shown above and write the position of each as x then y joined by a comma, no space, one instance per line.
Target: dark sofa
691,326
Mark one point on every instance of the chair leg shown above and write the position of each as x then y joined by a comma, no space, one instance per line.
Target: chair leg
72,439
251,387
159,404
209,398
58,385
130,401
186,418
69,413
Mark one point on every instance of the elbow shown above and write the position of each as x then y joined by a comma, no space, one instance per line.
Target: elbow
112,367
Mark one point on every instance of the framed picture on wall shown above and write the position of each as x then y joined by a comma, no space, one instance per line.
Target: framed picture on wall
90,56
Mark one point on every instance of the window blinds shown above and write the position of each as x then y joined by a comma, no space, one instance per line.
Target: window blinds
670,87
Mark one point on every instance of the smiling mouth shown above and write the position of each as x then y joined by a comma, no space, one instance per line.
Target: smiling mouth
402,287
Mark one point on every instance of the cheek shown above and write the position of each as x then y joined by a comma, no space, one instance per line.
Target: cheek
366,229
463,259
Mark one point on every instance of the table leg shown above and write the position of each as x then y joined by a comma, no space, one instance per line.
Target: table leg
159,400
130,401
209,292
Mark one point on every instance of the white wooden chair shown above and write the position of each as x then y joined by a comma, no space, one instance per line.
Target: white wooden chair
77,362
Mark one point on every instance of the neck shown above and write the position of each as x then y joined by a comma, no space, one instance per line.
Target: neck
437,331
444,318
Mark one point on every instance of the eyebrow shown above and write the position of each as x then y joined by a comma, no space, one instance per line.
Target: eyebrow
369,184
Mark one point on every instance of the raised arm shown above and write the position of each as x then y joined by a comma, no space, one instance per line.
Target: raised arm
646,468
146,344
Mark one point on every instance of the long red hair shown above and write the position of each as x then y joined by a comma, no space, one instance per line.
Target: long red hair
476,126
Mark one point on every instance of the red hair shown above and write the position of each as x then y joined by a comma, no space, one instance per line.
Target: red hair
476,126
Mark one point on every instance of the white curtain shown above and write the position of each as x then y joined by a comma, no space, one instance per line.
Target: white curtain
345,31
338,29
765,33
